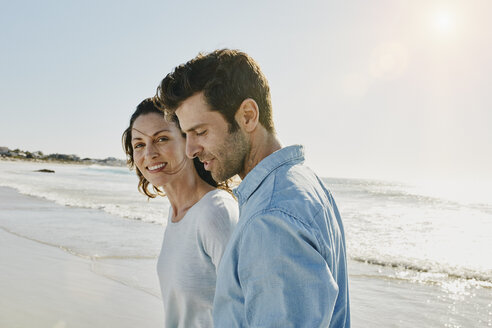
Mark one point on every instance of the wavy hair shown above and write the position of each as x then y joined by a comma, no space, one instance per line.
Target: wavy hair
148,106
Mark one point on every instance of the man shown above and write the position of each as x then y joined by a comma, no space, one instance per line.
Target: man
285,264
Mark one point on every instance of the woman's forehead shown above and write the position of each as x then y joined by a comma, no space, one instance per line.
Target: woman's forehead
152,123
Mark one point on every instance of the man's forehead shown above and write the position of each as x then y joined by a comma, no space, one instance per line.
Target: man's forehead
191,116
194,120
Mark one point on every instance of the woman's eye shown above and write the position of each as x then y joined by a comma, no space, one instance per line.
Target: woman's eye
137,146
163,139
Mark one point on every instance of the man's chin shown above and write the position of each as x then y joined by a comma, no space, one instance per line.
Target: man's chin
218,176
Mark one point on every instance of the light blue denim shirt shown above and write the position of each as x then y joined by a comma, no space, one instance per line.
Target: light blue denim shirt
285,264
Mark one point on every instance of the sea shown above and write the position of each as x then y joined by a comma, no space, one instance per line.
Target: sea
412,234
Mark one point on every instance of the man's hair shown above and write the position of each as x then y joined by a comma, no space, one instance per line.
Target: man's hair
226,78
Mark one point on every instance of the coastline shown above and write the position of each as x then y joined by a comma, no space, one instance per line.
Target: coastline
381,301
91,161
45,285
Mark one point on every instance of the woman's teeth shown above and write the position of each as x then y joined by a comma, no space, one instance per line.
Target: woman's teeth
155,167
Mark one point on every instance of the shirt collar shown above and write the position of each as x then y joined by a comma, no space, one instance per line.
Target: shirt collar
255,177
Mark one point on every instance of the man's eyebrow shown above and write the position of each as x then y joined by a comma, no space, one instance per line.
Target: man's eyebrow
155,133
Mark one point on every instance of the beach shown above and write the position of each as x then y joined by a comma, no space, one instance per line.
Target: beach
44,285
91,262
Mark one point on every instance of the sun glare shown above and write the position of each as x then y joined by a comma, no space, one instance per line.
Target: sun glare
444,23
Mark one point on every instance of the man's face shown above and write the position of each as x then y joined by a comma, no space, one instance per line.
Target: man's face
208,138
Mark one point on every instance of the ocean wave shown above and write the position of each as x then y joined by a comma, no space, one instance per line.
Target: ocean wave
128,210
434,272
375,188
403,193
108,169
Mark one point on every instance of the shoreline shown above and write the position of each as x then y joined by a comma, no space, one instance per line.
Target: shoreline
45,285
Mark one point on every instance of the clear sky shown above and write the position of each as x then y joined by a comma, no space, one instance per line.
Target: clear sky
375,89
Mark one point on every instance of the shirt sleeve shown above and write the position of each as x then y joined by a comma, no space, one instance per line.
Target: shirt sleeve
216,226
285,279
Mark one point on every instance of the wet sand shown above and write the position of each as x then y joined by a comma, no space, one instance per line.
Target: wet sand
42,286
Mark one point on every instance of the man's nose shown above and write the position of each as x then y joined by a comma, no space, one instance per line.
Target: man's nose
193,149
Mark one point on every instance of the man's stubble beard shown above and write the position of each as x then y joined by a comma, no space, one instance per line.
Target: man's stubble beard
232,153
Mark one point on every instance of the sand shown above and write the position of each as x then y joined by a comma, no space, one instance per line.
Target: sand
45,286
42,286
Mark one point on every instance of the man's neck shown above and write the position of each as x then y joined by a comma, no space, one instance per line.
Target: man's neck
263,144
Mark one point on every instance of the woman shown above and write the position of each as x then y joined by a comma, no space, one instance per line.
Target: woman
201,216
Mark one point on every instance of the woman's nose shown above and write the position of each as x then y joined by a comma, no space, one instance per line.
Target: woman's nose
151,151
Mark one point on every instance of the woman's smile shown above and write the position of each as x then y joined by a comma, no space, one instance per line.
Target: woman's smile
156,167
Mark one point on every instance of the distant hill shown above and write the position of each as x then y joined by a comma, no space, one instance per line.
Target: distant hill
6,153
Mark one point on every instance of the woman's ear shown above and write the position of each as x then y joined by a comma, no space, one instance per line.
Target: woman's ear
248,114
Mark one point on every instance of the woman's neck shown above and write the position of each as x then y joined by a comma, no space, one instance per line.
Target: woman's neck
185,191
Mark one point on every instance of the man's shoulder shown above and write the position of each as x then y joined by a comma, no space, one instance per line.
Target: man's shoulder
299,176
295,190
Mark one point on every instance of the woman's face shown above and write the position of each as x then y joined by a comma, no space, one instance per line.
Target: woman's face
158,149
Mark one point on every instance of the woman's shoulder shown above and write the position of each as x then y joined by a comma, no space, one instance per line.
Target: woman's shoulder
218,198
217,207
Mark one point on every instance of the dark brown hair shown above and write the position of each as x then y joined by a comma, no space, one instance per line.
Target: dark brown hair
146,107
226,78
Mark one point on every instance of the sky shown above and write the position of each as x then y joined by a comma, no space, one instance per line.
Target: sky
373,89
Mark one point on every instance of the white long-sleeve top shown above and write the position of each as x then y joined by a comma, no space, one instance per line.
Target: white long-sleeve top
189,258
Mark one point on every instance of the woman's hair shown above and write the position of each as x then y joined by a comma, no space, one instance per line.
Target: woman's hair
146,107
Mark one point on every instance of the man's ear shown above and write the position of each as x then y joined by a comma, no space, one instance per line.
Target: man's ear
248,115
